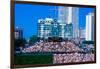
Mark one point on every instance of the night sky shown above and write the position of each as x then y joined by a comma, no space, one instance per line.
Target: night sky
27,15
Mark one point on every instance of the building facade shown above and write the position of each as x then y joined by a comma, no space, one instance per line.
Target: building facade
18,33
45,28
90,27
55,28
49,27
82,33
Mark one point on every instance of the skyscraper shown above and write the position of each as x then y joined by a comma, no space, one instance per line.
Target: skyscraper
62,29
63,14
82,33
45,27
41,28
90,26
70,15
55,28
75,21
18,33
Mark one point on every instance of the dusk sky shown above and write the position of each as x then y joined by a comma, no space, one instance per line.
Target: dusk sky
27,15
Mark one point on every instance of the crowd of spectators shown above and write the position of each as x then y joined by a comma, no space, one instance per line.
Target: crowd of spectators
72,57
45,46
71,51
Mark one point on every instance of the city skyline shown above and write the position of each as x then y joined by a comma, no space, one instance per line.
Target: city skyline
26,16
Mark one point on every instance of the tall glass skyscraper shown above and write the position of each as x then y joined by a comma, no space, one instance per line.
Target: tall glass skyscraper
90,27
70,15
75,21
62,18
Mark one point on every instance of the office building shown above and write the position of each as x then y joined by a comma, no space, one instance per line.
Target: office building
82,33
18,33
45,27
90,27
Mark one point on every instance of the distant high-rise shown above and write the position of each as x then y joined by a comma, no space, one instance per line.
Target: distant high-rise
49,27
63,14
69,31
18,33
82,33
75,21
70,15
90,27
62,29
41,28
45,27
55,28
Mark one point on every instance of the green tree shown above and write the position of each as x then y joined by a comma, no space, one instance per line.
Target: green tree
88,42
33,39
20,42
